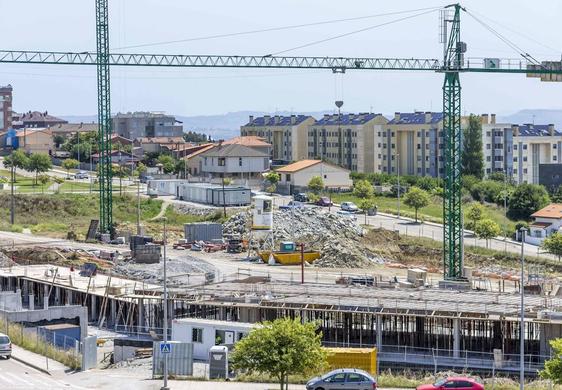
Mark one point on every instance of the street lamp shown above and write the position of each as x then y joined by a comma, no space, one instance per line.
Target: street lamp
165,336
398,181
522,319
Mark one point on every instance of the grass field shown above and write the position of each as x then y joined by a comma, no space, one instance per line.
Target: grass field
432,213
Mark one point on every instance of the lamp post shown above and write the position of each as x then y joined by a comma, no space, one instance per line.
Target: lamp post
138,208
522,319
398,181
165,335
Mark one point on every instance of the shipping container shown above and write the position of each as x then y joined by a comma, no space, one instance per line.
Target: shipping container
203,231
165,187
361,358
213,194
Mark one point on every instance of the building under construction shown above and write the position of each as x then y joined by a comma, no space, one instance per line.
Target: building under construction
475,328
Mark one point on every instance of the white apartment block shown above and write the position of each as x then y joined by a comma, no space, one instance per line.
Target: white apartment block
411,144
287,134
347,140
518,150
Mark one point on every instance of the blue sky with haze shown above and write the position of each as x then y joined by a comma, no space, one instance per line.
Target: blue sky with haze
68,25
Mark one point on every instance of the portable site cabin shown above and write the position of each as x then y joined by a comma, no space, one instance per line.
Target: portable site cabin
205,334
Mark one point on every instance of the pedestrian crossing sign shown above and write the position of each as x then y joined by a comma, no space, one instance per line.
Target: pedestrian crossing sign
165,348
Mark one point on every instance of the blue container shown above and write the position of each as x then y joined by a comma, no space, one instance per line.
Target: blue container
63,336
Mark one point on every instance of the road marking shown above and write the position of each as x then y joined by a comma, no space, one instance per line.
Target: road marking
5,379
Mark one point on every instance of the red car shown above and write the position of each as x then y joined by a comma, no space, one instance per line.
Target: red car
456,383
324,201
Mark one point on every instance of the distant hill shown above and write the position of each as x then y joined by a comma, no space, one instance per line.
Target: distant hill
538,116
225,126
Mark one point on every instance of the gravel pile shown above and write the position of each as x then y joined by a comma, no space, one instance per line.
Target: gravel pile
337,237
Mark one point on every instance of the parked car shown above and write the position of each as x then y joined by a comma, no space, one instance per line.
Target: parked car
343,378
324,201
347,214
460,382
5,346
81,175
145,179
349,206
293,204
301,197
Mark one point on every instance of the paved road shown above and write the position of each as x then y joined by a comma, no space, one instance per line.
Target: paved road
15,375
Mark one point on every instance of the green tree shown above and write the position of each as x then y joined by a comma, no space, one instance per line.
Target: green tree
17,159
168,163
141,169
417,199
526,199
192,136
281,348
363,189
557,195
553,244
272,177
366,205
58,140
69,164
474,214
487,229
553,367
472,154
119,171
43,179
39,163
316,184
271,188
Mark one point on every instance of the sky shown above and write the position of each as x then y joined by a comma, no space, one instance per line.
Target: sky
69,25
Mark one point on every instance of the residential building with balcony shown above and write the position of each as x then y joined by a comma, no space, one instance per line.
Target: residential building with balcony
133,125
286,134
411,144
347,140
519,150
5,107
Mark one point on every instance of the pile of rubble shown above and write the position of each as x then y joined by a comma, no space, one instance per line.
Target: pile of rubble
337,237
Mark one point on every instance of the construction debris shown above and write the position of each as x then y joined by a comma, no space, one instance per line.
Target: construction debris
337,237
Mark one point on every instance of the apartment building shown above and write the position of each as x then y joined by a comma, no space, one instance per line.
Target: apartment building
146,125
519,150
347,140
35,120
5,107
411,144
286,134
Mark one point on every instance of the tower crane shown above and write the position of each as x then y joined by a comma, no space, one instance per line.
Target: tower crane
452,65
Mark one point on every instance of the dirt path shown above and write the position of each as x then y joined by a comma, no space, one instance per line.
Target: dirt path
162,212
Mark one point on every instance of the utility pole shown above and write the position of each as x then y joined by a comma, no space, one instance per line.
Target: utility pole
398,181
522,319
138,207
165,336
12,206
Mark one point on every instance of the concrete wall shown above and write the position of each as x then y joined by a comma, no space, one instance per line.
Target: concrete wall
10,301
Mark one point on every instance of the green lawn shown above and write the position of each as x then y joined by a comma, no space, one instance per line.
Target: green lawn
432,213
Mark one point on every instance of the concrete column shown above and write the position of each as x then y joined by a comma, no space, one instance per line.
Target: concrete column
57,296
31,302
456,338
140,320
25,288
45,302
68,297
45,291
113,312
379,332
93,308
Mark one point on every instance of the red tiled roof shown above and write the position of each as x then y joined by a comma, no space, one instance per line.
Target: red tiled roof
249,140
553,210
299,165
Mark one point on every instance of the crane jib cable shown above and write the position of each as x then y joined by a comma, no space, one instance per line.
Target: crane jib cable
271,29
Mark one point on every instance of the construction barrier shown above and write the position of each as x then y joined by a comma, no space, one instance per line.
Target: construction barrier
361,358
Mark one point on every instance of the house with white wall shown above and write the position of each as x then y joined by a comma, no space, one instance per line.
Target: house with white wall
547,221
295,177
235,161
205,334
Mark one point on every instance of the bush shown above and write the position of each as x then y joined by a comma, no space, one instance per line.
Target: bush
486,191
312,197
526,199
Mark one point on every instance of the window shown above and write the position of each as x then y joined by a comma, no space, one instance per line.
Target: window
524,147
338,378
525,171
498,146
488,146
392,146
488,158
488,134
353,377
514,159
325,176
515,170
222,161
197,335
553,158
205,160
240,160
553,146
287,177
419,146
525,158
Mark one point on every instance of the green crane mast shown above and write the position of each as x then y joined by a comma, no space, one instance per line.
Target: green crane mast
104,117
452,139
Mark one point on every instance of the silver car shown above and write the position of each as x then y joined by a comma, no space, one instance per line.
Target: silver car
5,346
343,379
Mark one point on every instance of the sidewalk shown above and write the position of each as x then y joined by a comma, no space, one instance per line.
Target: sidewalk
36,361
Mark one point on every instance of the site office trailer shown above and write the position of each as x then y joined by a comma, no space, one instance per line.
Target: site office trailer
205,334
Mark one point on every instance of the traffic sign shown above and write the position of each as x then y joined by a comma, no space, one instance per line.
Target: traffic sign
165,348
